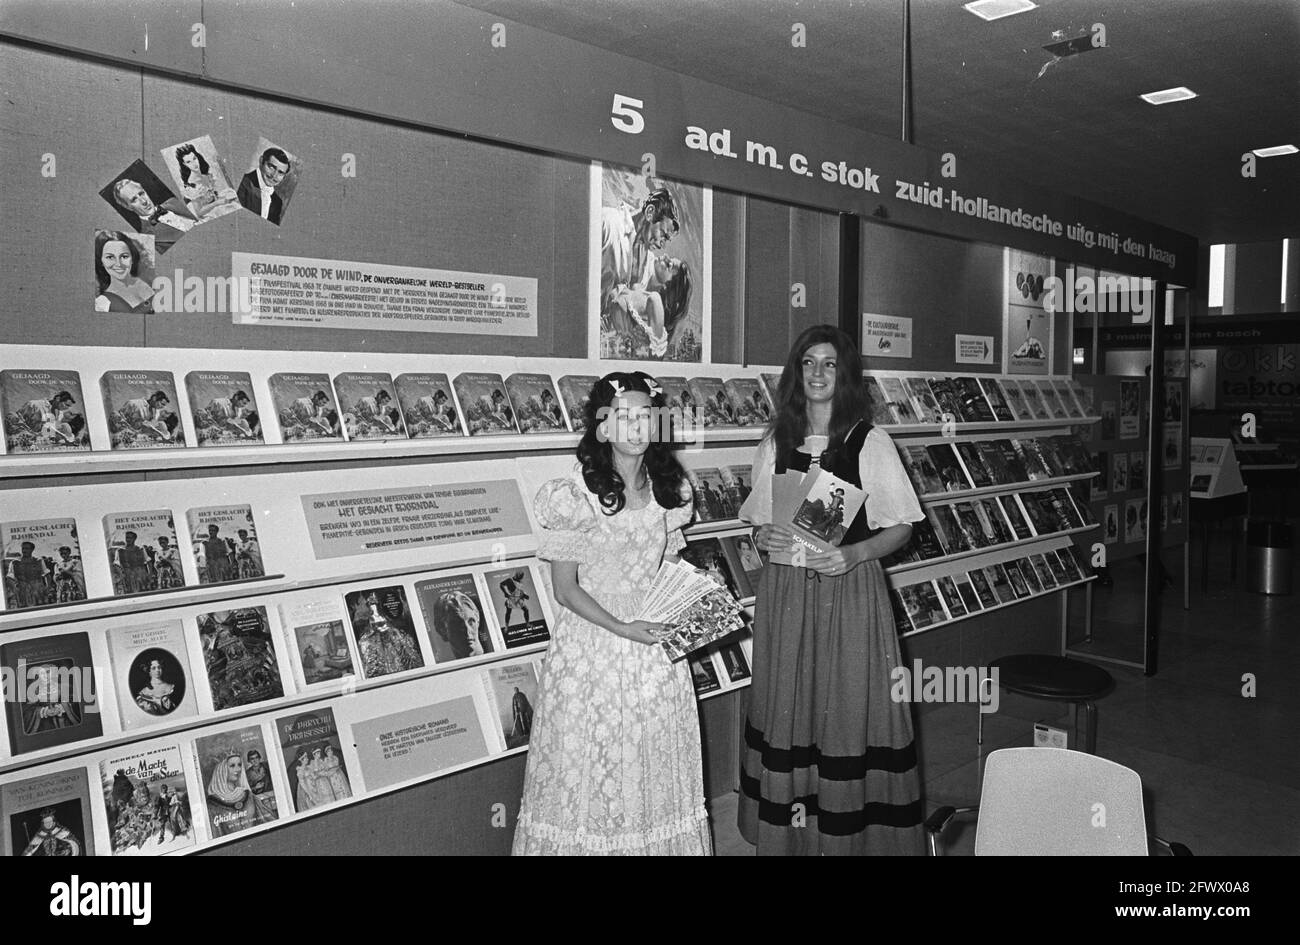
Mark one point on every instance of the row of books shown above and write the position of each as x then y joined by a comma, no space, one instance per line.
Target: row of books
913,400
245,776
956,466
44,565
951,528
731,560
363,634
926,603
44,410
722,667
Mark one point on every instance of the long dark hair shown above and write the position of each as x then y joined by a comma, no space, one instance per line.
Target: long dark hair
597,456
789,426
102,239
181,152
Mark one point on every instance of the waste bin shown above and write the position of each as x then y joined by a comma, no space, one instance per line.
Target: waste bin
1268,557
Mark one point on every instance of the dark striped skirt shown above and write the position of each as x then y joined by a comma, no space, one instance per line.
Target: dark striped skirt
828,763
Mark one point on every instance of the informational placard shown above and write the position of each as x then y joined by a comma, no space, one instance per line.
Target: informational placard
299,292
343,524
1026,322
973,349
886,336
418,742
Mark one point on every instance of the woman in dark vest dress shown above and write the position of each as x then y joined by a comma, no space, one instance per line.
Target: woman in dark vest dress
828,762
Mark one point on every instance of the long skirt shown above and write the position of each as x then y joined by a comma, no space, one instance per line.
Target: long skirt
828,763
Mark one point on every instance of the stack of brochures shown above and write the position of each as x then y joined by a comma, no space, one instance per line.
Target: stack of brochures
817,508
694,608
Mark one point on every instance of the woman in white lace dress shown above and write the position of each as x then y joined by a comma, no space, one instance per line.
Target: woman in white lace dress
614,763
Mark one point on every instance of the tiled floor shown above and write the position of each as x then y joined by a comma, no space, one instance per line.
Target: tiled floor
1220,769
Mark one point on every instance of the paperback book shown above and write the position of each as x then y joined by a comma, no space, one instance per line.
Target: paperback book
922,604
714,409
238,789
151,674
239,655
897,399
924,405
369,406
748,403
224,408
52,684
485,404
42,563
517,605
47,816
427,406
146,800
707,555
975,407
823,509
312,755
536,405
575,389
44,411
513,691
453,617
997,402
142,410
225,543
383,630
694,609
143,555
305,407
315,630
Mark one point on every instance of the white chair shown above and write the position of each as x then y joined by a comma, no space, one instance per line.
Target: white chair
1055,802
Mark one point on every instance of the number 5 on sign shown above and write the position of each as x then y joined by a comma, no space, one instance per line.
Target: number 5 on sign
624,116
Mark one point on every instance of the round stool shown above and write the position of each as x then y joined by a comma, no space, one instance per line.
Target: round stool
1056,679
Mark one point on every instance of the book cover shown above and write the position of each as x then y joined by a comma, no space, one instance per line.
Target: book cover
369,406
312,756
383,630
225,544
1018,585
951,598
975,407
1052,459
1045,576
995,461
239,655
1039,512
1110,524
315,631
513,688
52,684
224,408
748,403
1137,470
517,605
969,597
536,405
1033,399
973,464
453,617
1176,508
734,661
1051,399
1063,505
427,406
714,501
925,542
902,624
44,411
575,389
1031,459
1109,424
1028,572
824,508
948,530
994,523
881,415
1015,398
485,404
1076,566
744,558
924,405
1119,472
1013,459
922,604
1000,582
305,407
713,408
738,480
238,789
1172,445
47,816
141,410
1065,393
948,468
707,555
1135,520
983,589
146,800
1058,570
971,525
921,470
993,393
679,399
151,674
704,674
897,399
1015,516
1083,396
143,554
42,563
945,393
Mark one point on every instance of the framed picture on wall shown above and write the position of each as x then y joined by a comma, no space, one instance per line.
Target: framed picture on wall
1027,325
649,267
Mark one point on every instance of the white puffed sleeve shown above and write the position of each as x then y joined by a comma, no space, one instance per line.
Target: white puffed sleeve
757,509
567,520
890,497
